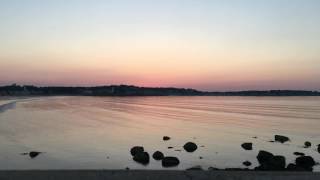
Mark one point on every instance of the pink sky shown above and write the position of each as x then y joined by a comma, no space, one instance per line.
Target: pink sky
207,45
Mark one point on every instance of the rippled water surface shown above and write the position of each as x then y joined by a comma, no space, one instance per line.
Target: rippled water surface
97,132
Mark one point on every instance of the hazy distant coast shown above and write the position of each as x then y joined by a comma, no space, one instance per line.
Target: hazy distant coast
126,90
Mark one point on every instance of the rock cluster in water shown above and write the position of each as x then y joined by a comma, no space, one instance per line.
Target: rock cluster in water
267,161
139,155
270,162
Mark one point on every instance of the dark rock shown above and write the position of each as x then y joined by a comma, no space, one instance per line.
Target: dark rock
272,141
318,148
254,137
200,157
247,146
127,168
293,167
277,163
170,147
166,138
142,158
298,153
136,149
247,163
280,138
34,154
306,162
307,144
158,155
170,161
195,168
190,147
264,156
269,162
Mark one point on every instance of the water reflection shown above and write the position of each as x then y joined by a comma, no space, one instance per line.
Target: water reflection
81,132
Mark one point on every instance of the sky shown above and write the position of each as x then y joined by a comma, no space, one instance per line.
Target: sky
213,45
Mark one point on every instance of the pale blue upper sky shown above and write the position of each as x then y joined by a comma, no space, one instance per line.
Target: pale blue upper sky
204,44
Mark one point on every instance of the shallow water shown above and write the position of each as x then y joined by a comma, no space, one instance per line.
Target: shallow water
98,132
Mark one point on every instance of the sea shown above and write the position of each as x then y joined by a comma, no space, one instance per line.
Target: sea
79,132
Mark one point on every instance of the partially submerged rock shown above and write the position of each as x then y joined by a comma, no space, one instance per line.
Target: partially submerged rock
247,146
170,161
293,167
280,138
306,162
247,163
298,153
136,149
142,158
264,156
269,162
190,147
307,144
318,148
303,163
34,154
166,138
158,155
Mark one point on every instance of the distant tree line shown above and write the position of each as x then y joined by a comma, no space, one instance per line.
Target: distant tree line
125,90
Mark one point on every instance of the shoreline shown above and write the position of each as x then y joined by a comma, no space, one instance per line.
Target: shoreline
154,175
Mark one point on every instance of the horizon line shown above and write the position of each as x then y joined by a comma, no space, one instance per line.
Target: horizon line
159,87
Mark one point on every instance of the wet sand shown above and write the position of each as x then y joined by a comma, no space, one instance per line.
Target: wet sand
153,174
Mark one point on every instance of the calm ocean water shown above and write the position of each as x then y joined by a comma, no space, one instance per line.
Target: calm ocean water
98,132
